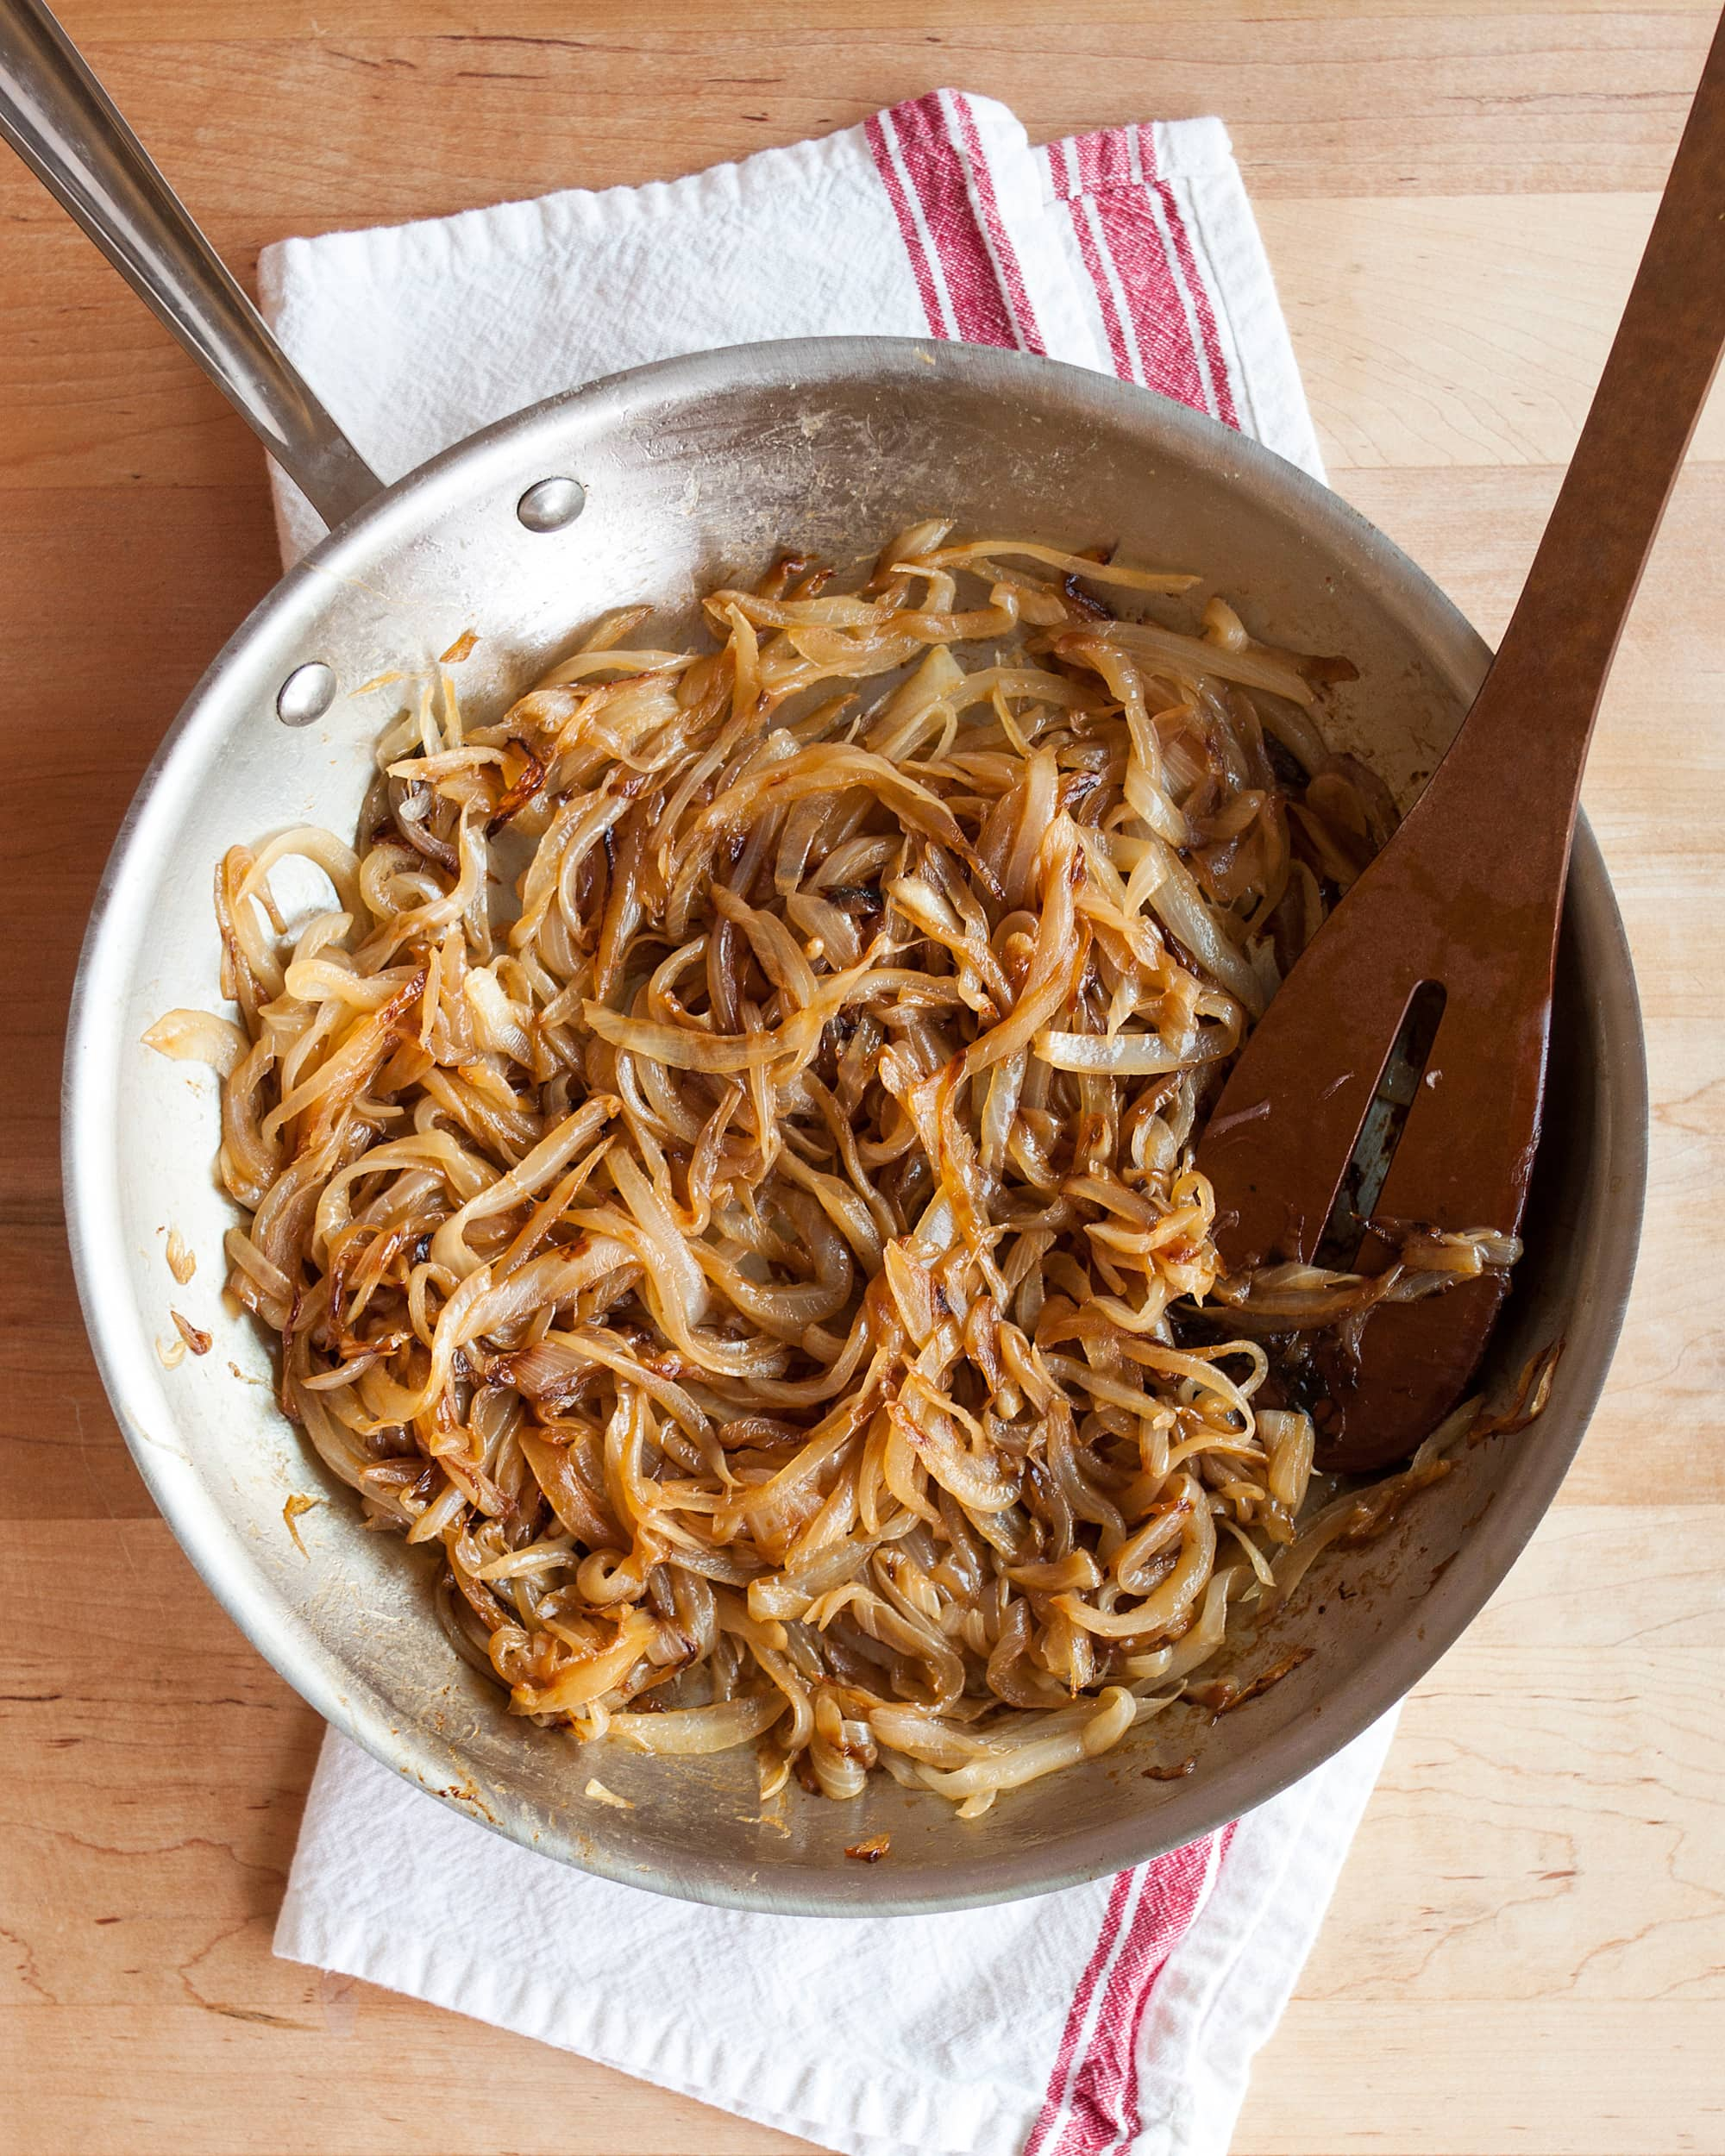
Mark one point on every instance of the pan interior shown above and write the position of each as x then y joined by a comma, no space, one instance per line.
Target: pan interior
697,471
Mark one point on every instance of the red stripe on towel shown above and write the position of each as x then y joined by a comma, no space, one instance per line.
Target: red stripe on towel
1137,249
1091,2104
1078,2016
1197,290
1161,330
932,162
1134,2117
986,209
883,147
1064,167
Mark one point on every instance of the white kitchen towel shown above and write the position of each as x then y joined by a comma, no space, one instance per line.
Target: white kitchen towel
1132,251
1117,2019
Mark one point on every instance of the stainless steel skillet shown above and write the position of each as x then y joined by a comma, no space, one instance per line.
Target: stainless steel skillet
654,484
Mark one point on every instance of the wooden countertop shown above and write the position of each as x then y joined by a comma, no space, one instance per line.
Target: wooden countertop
1528,1950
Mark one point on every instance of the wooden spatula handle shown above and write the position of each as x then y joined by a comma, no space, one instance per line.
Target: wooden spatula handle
1497,820
1525,739
1468,893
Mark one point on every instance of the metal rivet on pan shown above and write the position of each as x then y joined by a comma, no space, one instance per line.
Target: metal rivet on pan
307,694
552,504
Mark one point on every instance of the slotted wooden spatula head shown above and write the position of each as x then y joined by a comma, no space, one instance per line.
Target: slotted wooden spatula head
1457,899
1469,891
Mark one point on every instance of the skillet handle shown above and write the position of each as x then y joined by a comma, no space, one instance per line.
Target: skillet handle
60,119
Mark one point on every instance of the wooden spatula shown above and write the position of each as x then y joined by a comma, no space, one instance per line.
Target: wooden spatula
1468,892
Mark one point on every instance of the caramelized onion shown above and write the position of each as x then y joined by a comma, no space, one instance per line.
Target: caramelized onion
754,1255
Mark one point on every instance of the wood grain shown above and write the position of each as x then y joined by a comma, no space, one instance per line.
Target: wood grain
1322,101
1527,1951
